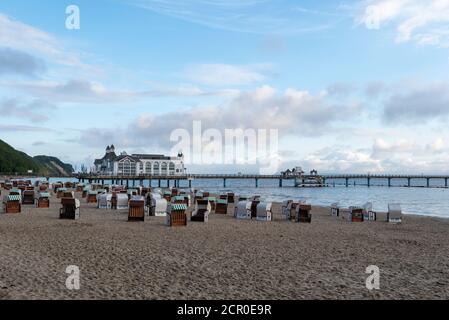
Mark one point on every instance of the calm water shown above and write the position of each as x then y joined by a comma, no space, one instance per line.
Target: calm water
415,200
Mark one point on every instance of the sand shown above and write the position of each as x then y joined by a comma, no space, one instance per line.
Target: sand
223,259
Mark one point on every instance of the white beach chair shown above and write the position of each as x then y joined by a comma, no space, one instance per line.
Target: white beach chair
335,210
158,206
394,213
122,201
202,211
104,201
264,212
243,210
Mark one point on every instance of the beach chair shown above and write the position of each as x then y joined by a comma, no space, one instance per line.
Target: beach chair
356,214
176,215
303,213
254,203
122,201
92,196
28,197
80,187
213,203
368,213
292,210
167,196
70,209
105,201
394,213
180,200
264,212
335,210
68,194
12,204
201,212
43,200
136,209
60,192
243,210
158,205
221,207
231,197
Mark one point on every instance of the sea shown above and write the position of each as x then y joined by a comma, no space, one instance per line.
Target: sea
416,200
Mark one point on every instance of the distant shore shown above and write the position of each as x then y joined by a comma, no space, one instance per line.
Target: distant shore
223,259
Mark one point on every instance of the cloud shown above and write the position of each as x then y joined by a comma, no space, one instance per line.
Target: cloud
18,62
382,147
425,22
22,128
291,112
249,16
35,111
75,91
22,37
417,104
224,74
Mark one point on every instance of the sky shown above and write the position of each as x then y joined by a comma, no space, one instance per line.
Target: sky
350,86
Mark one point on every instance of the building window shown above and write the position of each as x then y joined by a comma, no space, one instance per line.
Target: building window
148,167
156,167
164,168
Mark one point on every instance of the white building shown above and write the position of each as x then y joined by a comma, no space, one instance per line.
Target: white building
138,164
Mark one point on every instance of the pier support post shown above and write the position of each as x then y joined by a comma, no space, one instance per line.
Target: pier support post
159,184
168,183
409,182
224,183
347,182
149,183
257,183
428,182
190,184
445,182
389,182
280,183
369,182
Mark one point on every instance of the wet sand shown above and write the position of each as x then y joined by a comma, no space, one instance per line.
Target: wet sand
223,259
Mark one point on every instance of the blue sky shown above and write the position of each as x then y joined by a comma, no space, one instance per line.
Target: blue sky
352,86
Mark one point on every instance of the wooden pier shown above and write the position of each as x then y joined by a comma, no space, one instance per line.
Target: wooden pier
326,180
299,181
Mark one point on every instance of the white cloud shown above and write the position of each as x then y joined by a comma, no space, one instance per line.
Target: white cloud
291,112
20,36
224,74
249,16
425,22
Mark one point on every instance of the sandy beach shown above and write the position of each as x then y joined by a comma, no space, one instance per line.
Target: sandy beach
223,259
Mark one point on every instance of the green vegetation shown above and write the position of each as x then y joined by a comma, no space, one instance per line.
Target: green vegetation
13,161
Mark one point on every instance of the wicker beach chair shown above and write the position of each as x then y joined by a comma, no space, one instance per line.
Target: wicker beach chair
356,214
136,208
221,207
43,200
70,209
176,215
28,197
368,213
12,204
201,212
303,213
92,196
